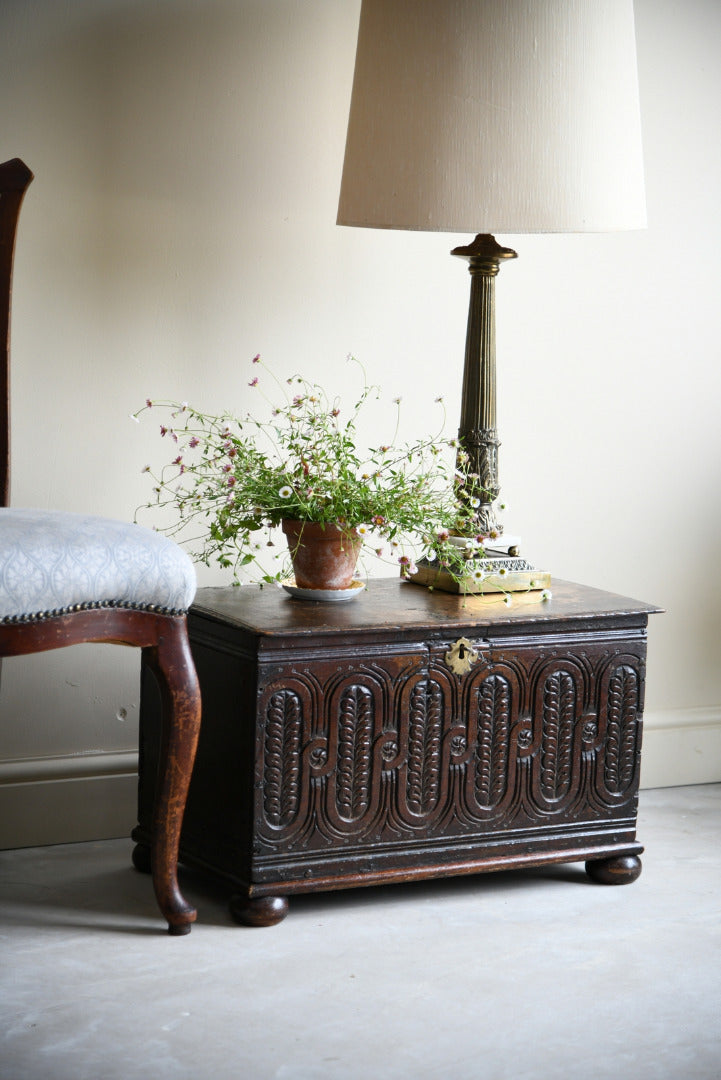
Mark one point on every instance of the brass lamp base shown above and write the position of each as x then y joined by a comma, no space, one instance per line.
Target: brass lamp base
501,575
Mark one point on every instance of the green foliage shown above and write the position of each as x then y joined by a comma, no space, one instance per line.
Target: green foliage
232,480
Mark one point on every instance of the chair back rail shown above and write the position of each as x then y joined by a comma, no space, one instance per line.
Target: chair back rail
15,178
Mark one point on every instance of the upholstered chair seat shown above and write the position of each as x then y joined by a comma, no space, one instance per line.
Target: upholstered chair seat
52,563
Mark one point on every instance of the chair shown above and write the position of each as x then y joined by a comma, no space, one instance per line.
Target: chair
70,578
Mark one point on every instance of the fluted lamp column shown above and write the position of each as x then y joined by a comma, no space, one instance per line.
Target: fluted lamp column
491,116
477,433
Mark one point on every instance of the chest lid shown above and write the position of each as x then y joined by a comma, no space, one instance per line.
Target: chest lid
391,610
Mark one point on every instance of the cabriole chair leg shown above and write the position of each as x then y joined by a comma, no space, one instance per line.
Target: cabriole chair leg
172,664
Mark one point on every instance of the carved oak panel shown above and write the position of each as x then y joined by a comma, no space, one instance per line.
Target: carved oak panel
374,753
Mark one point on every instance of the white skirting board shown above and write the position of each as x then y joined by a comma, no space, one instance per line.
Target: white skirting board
63,800
680,747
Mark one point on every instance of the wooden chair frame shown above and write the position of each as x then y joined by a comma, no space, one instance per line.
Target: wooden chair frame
162,636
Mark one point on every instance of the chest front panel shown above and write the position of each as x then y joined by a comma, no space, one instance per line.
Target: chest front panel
381,751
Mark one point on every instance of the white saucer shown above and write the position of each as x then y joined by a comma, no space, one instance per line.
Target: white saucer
324,595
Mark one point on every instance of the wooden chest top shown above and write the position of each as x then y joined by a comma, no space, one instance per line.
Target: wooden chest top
396,610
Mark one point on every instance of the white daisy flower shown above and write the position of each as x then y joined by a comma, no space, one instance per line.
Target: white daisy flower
546,594
285,492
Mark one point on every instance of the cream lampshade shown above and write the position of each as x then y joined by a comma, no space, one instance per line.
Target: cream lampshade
488,116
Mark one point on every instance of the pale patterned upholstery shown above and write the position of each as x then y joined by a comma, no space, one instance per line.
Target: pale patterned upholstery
51,562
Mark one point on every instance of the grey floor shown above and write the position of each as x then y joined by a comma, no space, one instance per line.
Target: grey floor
535,975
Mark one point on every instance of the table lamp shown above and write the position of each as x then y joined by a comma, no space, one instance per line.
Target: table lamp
493,116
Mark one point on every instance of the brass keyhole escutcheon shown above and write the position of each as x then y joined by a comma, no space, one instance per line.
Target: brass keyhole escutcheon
461,657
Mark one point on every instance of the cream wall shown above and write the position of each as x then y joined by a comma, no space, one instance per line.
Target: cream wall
187,157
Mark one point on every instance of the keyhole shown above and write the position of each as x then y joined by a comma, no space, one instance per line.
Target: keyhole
461,657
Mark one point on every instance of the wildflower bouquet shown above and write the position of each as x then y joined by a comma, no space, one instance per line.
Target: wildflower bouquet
233,480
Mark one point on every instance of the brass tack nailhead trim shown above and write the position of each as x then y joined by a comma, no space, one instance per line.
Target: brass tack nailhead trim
90,605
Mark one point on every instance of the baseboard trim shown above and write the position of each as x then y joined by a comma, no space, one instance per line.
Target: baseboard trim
62,800
681,747
70,767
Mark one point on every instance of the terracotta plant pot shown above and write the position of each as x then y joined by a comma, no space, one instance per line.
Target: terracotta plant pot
324,557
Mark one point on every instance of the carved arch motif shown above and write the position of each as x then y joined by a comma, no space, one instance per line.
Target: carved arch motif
425,730
557,731
354,759
621,729
282,760
490,774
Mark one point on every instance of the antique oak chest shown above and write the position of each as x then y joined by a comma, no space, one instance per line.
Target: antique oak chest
406,735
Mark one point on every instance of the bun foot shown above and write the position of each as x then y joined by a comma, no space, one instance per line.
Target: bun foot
260,911
178,929
141,858
618,870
